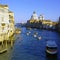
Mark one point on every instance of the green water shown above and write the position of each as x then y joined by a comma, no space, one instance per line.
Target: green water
7,55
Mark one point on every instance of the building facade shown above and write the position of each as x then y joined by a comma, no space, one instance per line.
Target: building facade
59,25
35,18
6,22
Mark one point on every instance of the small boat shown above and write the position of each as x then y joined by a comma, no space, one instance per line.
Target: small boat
2,51
51,49
27,33
39,37
18,31
35,35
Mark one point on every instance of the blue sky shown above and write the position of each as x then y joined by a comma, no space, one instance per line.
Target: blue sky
23,9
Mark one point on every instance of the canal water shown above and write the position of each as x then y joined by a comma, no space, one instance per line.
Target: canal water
27,47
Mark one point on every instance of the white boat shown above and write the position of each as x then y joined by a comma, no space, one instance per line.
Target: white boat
17,31
51,48
2,51
27,33
35,35
39,37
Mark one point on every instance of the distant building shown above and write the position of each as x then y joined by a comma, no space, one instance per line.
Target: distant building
11,23
41,17
6,21
34,16
59,25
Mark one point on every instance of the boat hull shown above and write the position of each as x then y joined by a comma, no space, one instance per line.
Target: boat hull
50,56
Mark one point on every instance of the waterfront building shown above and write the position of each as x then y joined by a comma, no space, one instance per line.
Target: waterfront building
41,17
11,23
40,22
59,25
34,16
6,22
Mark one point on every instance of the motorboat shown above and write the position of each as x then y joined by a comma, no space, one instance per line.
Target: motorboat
39,37
51,49
17,31
35,35
27,33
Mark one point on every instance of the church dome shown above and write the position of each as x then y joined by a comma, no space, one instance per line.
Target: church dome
34,16
41,17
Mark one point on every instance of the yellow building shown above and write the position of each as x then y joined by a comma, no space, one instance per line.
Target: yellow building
49,22
6,22
11,23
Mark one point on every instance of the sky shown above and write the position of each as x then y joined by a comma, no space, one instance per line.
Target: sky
23,9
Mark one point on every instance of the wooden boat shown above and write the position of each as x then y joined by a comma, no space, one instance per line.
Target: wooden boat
18,31
2,51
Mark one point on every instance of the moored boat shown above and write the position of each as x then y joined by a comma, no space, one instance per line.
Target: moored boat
17,31
51,49
27,33
2,51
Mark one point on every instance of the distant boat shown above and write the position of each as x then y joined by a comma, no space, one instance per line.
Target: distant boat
35,35
39,37
29,32
51,49
18,31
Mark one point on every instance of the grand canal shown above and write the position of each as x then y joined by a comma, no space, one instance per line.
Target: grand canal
28,47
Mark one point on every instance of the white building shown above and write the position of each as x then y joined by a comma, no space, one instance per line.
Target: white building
34,16
41,17
5,21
